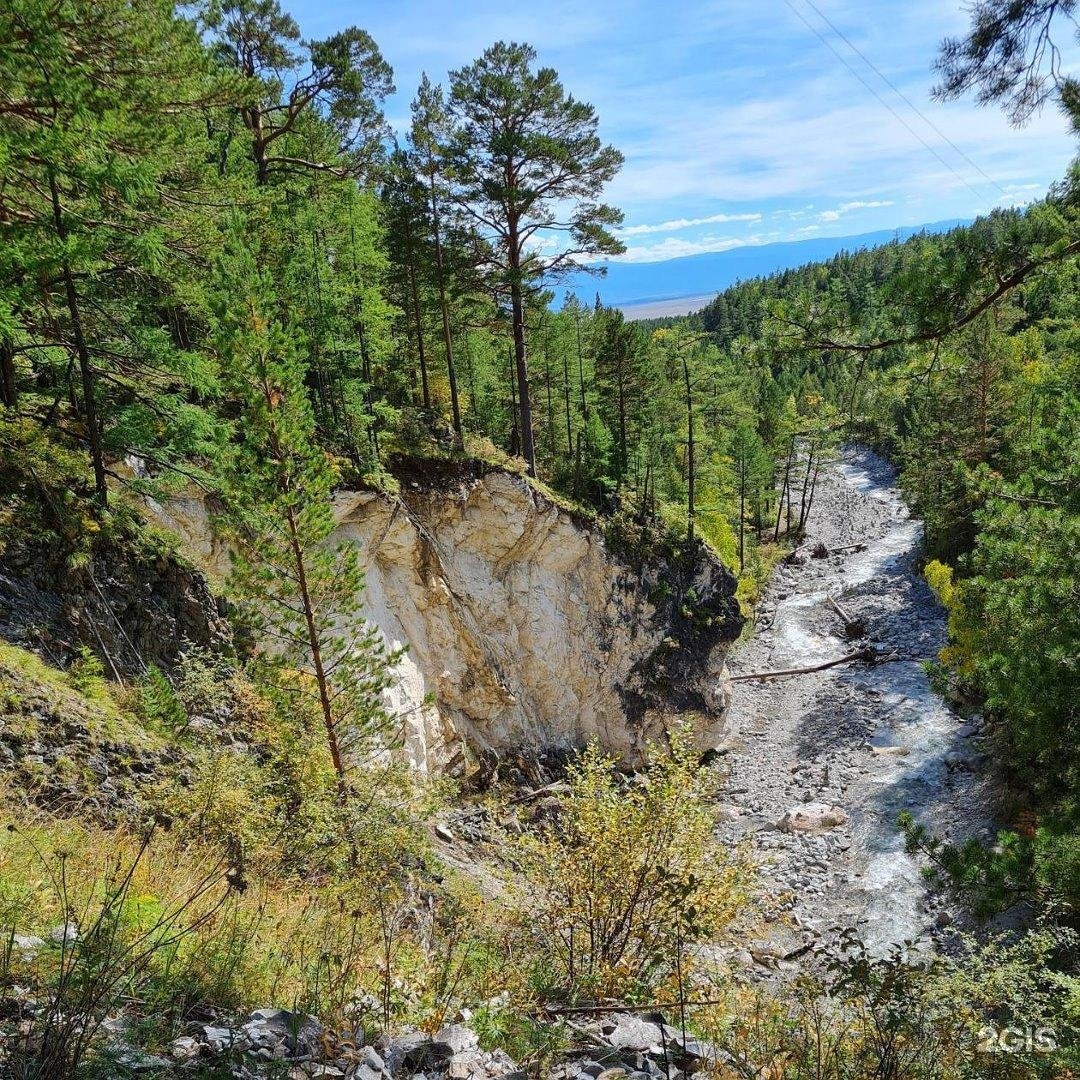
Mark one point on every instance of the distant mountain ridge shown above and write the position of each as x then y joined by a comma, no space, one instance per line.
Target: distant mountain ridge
629,284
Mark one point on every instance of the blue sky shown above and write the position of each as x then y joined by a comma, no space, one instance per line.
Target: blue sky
738,124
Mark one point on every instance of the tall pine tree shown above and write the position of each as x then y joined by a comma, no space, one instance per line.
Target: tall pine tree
529,167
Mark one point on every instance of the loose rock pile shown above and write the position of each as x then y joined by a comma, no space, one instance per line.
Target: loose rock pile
278,1043
636,1047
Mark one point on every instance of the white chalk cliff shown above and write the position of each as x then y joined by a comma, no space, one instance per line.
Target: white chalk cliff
524,630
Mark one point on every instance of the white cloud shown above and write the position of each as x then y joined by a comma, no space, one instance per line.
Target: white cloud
825,148
686,223
675,248
864,204
812,138
1016,195
799,139
848,207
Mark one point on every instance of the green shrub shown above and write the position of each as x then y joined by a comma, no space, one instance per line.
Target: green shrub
1006,1010
628,875
87,675
157,703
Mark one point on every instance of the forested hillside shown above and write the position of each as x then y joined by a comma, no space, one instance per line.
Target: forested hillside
231,201
224,279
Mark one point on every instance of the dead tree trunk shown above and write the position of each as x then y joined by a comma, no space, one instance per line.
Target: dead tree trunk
853,627
755,676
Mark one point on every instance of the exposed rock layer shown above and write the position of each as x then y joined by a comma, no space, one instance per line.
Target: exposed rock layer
131,604
524,624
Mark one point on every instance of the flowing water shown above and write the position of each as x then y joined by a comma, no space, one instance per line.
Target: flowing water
873,740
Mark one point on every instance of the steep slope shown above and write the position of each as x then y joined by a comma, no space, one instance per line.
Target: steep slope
524,628
132,600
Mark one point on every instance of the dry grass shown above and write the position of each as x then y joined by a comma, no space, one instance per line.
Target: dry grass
373,951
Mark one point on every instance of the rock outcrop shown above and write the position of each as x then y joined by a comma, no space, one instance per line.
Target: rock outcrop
132,603
524,628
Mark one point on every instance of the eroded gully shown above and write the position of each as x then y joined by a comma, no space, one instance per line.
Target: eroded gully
871,740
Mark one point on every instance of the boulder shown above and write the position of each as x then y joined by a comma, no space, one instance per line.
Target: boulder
812,817
634,1033
64,935
138,1061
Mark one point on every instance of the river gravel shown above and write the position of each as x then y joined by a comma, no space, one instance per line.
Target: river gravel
873,740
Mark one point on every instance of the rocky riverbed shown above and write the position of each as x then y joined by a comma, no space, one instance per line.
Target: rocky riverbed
823,763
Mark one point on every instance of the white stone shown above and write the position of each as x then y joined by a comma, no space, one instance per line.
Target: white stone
185,1047
633,1033
27,945
812,817
891,751
67,934
460,1039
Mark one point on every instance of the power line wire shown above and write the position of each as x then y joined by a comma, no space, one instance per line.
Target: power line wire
900,94
828,44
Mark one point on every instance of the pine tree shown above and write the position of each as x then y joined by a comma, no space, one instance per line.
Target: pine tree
429,134
617,347
103,148
679,348
405,203
302,595
343,79
752,471
528,165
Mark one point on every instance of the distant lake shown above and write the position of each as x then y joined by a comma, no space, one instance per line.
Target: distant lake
647,290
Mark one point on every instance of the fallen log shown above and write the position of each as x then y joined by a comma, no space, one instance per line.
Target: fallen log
895,657
555,788
820,551
853,627
868,655
835,605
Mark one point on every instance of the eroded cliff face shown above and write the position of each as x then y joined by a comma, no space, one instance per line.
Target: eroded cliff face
524,630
